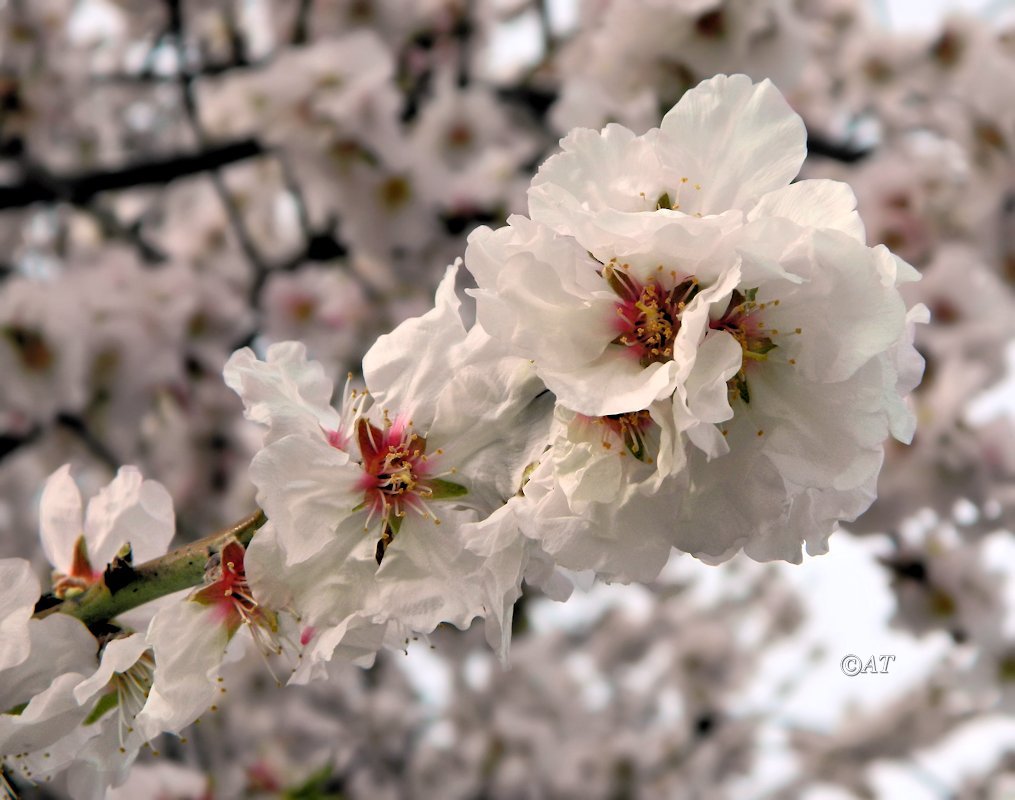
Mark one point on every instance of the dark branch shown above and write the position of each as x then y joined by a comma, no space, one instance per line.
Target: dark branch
97,448
846,153
9,443
79,189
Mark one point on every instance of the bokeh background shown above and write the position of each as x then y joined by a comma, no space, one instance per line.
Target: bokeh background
180,178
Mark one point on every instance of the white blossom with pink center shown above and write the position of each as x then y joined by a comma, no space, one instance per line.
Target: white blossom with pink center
441,439
681,270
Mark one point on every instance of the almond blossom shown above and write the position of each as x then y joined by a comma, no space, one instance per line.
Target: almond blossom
83,717
33,651
682,268
130,511
189,639
383,488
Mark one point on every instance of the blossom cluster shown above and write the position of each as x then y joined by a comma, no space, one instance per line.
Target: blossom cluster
679,348
674,340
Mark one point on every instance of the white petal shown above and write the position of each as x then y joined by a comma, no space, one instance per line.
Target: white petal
540,294
718,359
307,488
51,714
428,576
596,170
492,420
286,393
406,369
60,518
119,655
130,509
615,383
815,203
506,553
820,434
736,139
189,645
58,643
19,591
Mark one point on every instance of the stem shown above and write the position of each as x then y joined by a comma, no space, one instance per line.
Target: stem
124,586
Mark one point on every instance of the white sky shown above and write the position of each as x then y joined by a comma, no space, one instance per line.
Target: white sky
923,14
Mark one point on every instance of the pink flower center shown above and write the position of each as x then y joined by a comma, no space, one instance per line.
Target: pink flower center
397,476
648,314
229,594
81,576
629,429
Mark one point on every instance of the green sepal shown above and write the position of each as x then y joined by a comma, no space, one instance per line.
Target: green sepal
315,787
750,294
738,385
16,710
445,490
758,349
664,201
106,704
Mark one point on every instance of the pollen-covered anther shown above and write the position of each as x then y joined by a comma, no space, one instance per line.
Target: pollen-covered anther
631,429
665,201
648,315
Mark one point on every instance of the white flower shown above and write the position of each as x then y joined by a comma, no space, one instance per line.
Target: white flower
189,640
78,715
827,357
613,308
33,652
380,493
604,493
687,275
130,510
606,337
